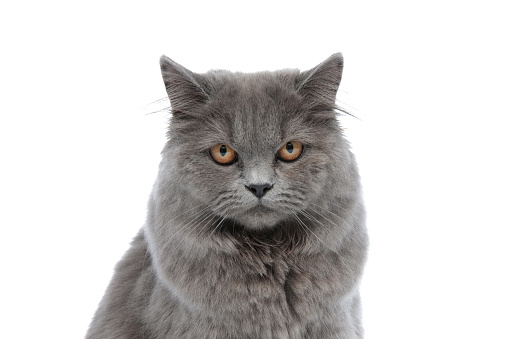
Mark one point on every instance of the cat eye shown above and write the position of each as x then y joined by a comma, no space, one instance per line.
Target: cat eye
291,151
223,154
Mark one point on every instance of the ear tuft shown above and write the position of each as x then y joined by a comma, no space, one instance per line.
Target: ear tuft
322,81
183,86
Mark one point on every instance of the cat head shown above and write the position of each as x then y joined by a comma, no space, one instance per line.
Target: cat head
256,148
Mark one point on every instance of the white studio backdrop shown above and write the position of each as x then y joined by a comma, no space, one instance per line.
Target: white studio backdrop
79,149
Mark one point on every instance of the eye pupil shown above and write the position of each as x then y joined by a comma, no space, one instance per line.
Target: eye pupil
222,150
289,147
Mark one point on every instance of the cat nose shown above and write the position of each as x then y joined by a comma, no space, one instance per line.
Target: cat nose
259,190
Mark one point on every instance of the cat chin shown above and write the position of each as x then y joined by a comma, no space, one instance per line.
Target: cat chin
259,217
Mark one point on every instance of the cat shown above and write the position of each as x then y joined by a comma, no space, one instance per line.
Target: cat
255,225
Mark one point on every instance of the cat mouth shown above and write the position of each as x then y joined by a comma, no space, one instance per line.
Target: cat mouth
255,216
261,208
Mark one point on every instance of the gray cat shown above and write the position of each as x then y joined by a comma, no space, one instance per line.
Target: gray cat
255,225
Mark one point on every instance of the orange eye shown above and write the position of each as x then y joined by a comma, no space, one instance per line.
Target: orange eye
290,152
223,154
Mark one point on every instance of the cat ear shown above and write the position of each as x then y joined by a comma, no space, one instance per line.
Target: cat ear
185,89
322,81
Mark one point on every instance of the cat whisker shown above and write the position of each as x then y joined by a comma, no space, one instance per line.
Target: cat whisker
204,219
219,224
158,101
183,228
289,205
227,204
227,197
166,109
329,211
191,217
342,109
168,222
313,233
231,209
214,216
189,210
311,217
207,217
153,103
321,215
345,104
306,230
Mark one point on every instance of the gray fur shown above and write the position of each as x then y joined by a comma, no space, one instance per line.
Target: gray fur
213,260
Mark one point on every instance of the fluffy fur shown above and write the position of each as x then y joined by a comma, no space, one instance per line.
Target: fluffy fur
215,261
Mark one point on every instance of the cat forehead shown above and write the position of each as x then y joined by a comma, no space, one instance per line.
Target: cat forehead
254,97
251,87
254,106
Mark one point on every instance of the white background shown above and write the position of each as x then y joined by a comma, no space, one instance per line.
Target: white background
79,151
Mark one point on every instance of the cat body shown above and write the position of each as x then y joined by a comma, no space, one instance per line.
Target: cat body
255,225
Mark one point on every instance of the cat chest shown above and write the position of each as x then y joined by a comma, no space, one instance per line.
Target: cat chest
280,290
270,297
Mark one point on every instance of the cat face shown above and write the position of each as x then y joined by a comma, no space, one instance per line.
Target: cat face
255,148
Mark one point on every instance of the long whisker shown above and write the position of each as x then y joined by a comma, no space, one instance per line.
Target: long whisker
313,233
189,210
299,221
326,210
215,217
204,219
193,218
158,101
343,110
207,217
186,212
310,216
321,215
190,219
217,226
166,109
